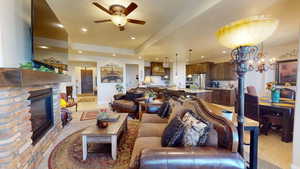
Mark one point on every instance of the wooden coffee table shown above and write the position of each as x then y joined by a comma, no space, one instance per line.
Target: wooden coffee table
93,134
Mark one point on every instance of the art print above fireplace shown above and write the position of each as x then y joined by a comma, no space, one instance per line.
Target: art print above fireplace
41,113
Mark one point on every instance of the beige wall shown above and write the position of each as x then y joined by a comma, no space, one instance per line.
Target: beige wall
15,36
296,143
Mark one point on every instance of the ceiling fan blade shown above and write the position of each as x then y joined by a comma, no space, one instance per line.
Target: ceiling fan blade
102,8
122,28
101,21
136,21
131,7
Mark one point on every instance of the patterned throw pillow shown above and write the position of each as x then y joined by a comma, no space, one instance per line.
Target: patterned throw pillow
173,133
195,131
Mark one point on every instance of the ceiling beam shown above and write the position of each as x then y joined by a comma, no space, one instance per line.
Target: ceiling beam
102,49
192,9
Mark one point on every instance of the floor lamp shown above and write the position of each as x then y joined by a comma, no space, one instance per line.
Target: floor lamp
242,36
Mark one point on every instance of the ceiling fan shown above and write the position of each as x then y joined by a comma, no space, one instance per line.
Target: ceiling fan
119,15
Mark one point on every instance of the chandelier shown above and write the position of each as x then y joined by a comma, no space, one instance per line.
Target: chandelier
261,63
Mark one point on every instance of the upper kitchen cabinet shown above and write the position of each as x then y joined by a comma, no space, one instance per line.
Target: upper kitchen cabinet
230,71
200,68
147,71
223,71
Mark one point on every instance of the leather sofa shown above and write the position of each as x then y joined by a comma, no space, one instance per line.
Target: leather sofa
219,153
127,103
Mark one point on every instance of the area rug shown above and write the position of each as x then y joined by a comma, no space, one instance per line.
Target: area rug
89,115
68,153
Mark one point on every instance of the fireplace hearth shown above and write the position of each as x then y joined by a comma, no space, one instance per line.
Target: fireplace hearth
41,113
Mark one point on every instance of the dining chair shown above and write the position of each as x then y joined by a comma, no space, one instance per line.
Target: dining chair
251,90
254,112
287,93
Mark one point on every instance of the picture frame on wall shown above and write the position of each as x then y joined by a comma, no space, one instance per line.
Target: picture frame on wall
286,72
111,73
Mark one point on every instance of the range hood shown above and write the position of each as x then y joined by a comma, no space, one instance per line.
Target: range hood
157,69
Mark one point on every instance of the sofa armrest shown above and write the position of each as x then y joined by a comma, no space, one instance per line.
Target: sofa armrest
190,157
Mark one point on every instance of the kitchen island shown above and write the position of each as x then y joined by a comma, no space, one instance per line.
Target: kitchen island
199,93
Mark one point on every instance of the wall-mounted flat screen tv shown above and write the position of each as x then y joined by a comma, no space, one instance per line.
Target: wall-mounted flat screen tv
49,37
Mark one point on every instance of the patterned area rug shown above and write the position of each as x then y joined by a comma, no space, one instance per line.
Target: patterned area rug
68,153
89,115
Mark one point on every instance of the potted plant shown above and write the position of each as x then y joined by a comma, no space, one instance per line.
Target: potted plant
119,88
275,92
150,96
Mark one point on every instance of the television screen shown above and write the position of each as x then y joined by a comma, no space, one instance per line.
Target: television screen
50,39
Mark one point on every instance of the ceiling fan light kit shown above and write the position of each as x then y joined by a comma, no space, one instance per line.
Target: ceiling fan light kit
119,15
119,20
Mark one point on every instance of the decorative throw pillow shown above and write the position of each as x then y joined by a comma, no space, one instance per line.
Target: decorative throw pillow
173,133
164,110
195,131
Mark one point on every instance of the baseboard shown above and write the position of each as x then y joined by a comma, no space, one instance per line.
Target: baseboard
293,166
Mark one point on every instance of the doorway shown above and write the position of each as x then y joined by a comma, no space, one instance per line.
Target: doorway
132,76
86,81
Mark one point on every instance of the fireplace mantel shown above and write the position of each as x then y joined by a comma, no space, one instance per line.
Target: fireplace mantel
14,77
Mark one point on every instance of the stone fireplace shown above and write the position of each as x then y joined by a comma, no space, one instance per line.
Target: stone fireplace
29,116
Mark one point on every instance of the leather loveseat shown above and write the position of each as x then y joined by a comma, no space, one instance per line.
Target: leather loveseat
219,153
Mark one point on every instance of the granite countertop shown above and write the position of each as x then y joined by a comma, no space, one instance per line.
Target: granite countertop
214,88
191,90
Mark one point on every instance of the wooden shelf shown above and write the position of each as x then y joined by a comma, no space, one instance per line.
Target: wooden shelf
14,77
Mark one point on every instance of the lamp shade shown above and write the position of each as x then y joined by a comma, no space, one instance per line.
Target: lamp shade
148,80
119,19
247,32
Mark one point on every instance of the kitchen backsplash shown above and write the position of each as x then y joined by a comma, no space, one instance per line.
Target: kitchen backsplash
227,83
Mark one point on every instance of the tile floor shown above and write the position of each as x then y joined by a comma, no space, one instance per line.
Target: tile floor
271,148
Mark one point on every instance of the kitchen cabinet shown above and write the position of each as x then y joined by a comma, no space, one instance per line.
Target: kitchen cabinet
147,71
157,69
200,68
223,71
167,72
224,97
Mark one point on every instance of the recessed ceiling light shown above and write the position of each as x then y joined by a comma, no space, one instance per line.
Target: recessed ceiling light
114,54
140,57
44,47
84,29
224,51
80,52
59,25
202,57
132,38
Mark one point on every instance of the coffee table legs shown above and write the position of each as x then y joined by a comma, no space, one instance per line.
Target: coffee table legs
84,147
114,143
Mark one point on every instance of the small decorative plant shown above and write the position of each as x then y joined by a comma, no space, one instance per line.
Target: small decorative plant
30,66
275,93
150,96
119,88
271,86
27,65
